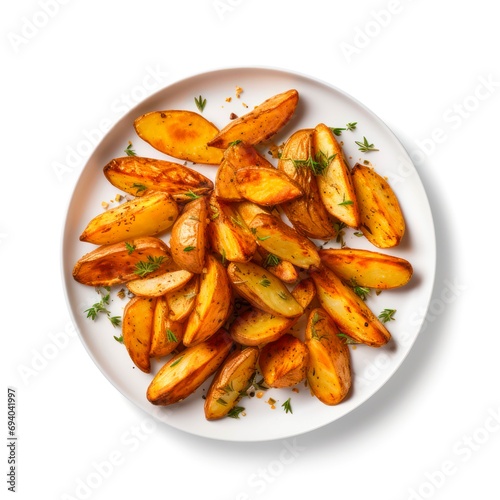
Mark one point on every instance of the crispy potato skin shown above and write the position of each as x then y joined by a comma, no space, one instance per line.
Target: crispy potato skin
181,301
159,285
167,334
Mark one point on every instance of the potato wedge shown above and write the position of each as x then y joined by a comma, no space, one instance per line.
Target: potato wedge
159,285
329,368
188,239
263,290
212,306
166,334
181,301
266,186
283,363
282,240
225,183
335,183
181,134
110,265
228,235
136,175
255,327
137,329
381,218
185,372
231,380
366,268
307,213
148,215
261,123
282,269
348,310
248,210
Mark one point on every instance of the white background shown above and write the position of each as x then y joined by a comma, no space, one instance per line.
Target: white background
430,70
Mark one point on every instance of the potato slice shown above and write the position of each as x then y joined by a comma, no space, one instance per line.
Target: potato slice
181,301
263,290
282,240
225,183
283,363
188,239
307,213
335,184
185,372
255,327
232,379
110,265
181,134
381,218
348,310
137,329
136,175
145,216
366,268
160,285
261,123
167,334
329,368
266,186
212,306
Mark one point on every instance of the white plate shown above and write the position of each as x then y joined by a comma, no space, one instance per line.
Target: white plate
319,102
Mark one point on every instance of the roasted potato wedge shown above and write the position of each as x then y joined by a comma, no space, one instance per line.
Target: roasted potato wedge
188,238
137,328
255,327
261,123
266,186
335,183
145,216
283,363
212,306
348,310
225,183
282,240
263,290
231,380
282,269
159,285
248,210
185,372
137,175
181,301
181,134
366,268
241,154
110,265
307,213
166,334
381,219
329,367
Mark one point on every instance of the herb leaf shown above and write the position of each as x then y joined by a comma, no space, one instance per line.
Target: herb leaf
200,103
129,151
365,146
287,406
387,315
142,268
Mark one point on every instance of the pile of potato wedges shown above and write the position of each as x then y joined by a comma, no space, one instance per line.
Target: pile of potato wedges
219,272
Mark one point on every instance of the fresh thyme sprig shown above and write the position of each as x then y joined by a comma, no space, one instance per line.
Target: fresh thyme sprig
129,151
200,103
339,130
287,406
387,315
143,268
365,146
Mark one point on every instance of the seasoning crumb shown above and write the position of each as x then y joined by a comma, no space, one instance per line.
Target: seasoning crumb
233,116
118,197
259,394
244,105
228,99
105,204
239,91
295,389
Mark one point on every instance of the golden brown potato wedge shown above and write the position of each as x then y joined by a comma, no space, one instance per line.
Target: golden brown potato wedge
110,265
381,218
366,268
231,380
181,134
266,186
225,183
159,285
145,216
261,123
181,301
241,154
283,363
348,310
335,184
255,327
137,175
329,368
248,210
137,329
307,213
228,234
282,240
167,334
188,239
282,269
212,306
263,290
185,372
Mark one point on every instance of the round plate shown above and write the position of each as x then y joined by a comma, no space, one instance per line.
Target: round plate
319,102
